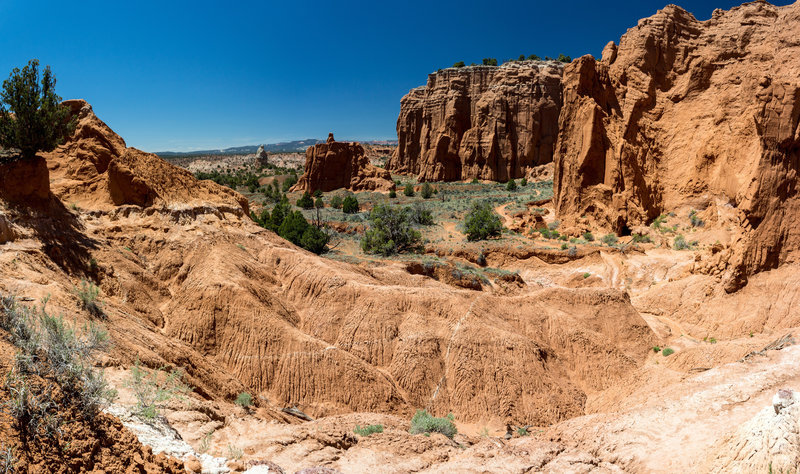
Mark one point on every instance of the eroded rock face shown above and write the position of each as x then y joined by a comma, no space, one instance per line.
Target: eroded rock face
94,166
480,122
333,165
24,181
684,112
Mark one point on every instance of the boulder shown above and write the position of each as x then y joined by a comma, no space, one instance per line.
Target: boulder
480,122
333,165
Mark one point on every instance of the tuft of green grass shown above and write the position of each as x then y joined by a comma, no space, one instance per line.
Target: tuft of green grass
667,351
586,275
610,239
153,389
244,400
88,297
656,349
522,431
368,430
424,422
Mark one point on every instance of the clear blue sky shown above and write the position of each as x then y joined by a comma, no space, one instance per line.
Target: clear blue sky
172,75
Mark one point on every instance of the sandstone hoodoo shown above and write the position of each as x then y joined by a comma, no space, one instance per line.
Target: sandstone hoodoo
262,157
333,165
480,122
688,112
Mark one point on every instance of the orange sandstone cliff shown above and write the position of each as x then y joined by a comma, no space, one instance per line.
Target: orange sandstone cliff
689,113
479,122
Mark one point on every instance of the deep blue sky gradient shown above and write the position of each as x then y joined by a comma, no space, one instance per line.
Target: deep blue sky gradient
169,75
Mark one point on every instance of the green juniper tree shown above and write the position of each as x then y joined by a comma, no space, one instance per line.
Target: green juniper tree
32,117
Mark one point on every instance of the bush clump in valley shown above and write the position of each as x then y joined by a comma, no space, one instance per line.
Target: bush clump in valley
391,232
292,226
368,430
481,222
424,422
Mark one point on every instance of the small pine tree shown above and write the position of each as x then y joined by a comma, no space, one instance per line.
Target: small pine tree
523,182
350,205
32,117
408,190
564,59
511,186
336,202
319,203
481,222
521,57
427,190
392,194
306,201
459,64
534,57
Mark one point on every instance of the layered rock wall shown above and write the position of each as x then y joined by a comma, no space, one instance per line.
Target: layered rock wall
688,112
479,122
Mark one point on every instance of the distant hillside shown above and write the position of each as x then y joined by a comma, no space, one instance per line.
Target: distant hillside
283,147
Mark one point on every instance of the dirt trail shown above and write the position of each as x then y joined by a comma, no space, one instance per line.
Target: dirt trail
501,211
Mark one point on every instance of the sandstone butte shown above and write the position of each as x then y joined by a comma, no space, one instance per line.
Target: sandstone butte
482,122
188,280
333,165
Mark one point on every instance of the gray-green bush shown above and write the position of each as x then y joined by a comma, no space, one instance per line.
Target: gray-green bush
154,388
51,350
368,430
424,422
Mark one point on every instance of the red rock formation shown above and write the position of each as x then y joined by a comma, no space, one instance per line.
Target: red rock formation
24,180
689,112
479,122
94,165
333,165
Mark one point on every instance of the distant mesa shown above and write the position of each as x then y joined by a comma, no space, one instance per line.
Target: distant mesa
334,165
492,123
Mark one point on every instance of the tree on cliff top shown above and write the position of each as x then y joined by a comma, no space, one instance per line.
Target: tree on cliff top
31,115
